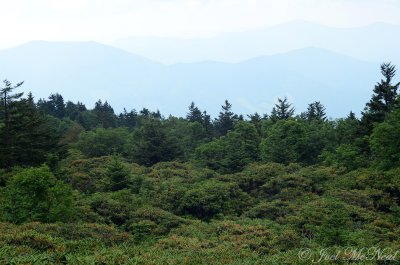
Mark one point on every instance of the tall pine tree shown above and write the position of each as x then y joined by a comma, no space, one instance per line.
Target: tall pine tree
29,137
283,110
384,100
315,112
105,115
194,114
226,119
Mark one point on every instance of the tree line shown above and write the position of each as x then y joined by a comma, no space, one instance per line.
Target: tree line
48,130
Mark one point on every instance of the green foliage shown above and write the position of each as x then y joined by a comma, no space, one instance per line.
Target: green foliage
272,210
152,144
105,115
283,110
233,151
384,100
187,135
28,138
296,141
209,198
55,106
315,112
224,192
36,195
151,221
119,174
284,143
346,155
95,174
226,119
103,142
385,141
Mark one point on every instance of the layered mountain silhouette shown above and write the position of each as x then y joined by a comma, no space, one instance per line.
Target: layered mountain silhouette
375,42
88,71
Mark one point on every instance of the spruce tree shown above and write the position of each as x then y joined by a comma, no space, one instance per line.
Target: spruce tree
128,119
283,110
7,98
208,126
315,111
105,114
29,138
256,119
54,106
7,101
73,111
119,174
384,100
194,114
226,119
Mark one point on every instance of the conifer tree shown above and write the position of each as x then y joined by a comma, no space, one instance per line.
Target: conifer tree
7,98
118,174
194,114
128,119
316,111
208,126
105,114
73,111
384,100
283,110
29,138
54,106
256,119
226,119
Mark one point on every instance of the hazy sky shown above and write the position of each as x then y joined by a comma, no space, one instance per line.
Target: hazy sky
107,20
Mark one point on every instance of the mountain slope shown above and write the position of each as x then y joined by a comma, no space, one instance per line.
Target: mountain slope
91,71
79,70
376,42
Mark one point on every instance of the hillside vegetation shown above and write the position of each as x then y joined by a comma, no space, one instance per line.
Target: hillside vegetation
87,186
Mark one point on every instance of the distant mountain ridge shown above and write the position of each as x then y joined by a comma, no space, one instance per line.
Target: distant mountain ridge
376,42
88,71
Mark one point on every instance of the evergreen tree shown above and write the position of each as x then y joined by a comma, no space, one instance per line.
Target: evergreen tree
128,119
351,116
152,144
118,173
256,119
384,100
208,126
34,137
285,142
105,115
73,111
283,110
315,111
145,113
194,114
226,119
7,99
156,115
54,106
232,152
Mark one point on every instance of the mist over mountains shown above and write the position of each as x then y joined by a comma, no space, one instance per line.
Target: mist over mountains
375,42
303,61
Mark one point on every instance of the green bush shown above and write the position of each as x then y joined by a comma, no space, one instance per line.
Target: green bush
34,194
103,142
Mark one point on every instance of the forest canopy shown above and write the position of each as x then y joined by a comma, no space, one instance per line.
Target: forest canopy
89,186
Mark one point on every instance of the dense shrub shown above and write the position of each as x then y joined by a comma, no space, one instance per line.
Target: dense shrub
34,194
103,142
